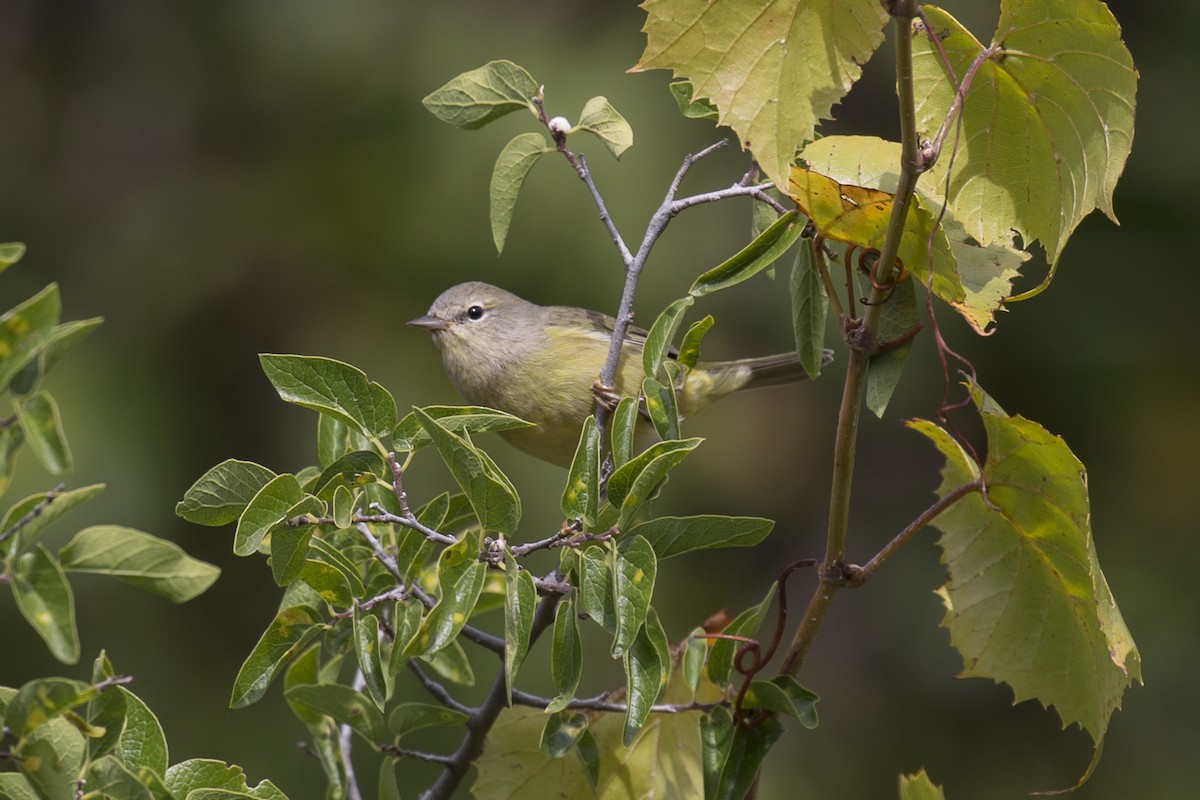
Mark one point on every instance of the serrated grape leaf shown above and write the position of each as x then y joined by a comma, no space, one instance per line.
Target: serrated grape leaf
145,561
600,119
773,70
509,173
919,787
1047,121
479,96
985,272
1026,601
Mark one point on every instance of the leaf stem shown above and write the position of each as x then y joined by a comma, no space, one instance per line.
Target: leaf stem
485,715
915,527
862,338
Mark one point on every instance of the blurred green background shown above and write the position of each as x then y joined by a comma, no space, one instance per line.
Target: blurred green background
225,178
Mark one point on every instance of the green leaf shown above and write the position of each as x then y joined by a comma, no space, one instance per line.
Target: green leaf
410,435
40,700
723,651
197,778
65,336
288,633
1057,98
1026,601
460,576
566,655
475,98
143,746
562,731
809,305
357,468
343,507
919,787
366,647
335,439
624,429
334,388
11,440
451,663
596,597
885,368
752,259
113,781
326,553
42,426
220,495
633,482
14,786
303,670
52,759
268,508
512,167
772,76
492,495
733,753
407,622
689,350
520,596
600,119
345,705
581,495
783,695
137,558
672,536
662,405
44,598
690,108
409,717
662,333
39,510
25,329
10,253
647,667
633,569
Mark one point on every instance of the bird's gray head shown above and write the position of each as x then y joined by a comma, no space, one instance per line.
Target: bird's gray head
479,327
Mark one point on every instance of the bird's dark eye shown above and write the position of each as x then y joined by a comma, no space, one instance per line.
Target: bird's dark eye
475,312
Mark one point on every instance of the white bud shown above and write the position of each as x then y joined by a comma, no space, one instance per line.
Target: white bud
559,125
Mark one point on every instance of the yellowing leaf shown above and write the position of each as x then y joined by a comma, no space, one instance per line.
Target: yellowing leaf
1047,121
983,275
1026,600
773,68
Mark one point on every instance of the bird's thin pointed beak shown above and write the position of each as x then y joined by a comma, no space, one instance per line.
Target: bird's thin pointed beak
430,323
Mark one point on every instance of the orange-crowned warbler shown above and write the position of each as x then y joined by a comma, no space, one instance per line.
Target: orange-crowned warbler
540,363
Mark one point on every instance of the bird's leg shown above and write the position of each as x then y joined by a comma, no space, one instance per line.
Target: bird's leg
607,396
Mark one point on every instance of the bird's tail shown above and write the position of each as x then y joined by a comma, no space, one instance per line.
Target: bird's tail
709,382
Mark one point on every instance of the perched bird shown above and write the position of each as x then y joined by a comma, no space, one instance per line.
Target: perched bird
540,363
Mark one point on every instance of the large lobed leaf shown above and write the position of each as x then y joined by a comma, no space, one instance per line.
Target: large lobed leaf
1026,600
773,68
1047,121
